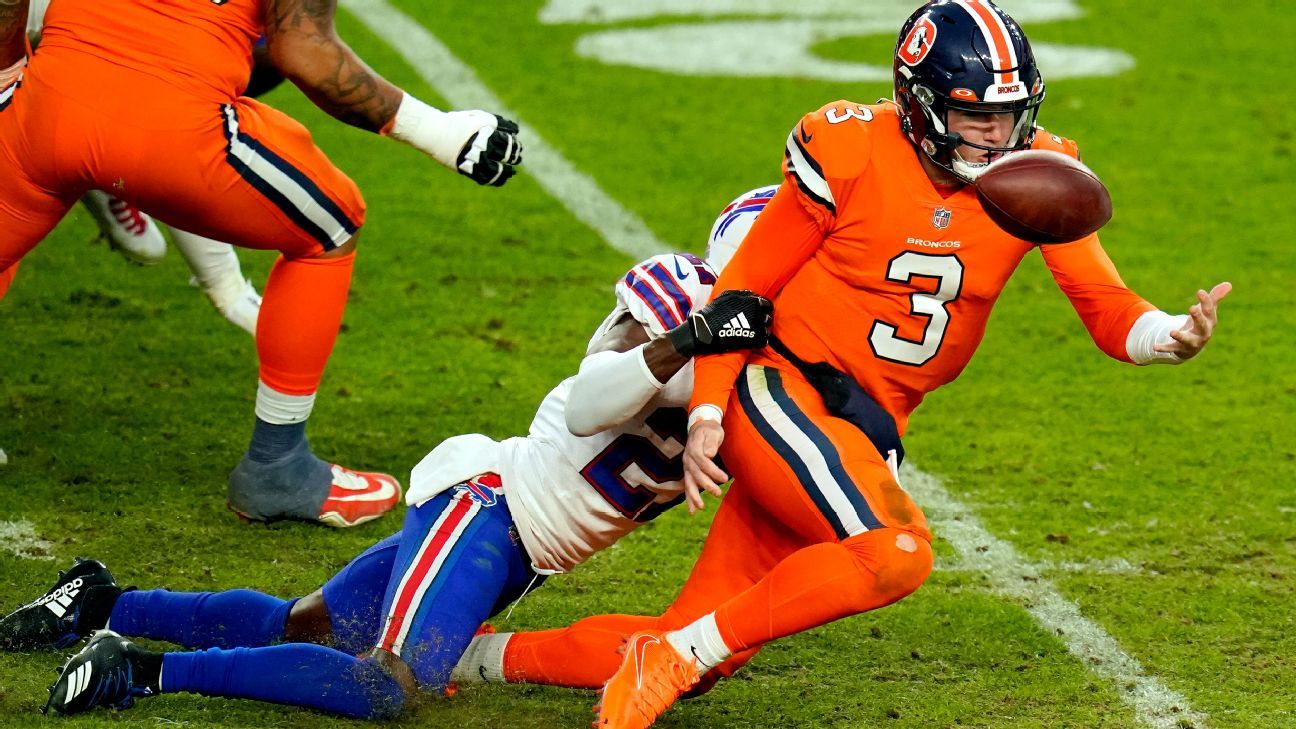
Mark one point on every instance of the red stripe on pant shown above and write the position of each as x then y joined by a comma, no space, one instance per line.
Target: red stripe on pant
419,568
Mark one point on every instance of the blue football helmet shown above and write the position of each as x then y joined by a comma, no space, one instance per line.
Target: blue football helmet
971,56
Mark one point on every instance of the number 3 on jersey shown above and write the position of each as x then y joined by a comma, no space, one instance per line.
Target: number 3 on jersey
948,272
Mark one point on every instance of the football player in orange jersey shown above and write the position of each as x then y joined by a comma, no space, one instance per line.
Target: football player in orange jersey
118,91
132,233
883,269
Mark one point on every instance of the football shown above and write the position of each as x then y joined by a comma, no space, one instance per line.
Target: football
1043,197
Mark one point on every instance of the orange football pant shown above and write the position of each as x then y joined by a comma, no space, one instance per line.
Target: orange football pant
6,278
231,169
814,528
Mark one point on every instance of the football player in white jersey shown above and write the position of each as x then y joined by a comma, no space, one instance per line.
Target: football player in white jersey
134,234
487,522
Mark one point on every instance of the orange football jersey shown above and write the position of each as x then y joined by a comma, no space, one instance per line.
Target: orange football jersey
202,46
873,270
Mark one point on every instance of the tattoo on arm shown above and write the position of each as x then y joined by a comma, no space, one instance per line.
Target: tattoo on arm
306,48
13,31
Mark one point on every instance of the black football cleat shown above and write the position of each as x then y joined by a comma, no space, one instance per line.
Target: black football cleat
51,620
100,675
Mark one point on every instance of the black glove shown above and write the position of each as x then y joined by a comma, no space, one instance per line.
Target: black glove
489,156
734,320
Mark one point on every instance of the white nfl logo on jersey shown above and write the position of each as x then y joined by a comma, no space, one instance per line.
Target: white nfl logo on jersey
941,218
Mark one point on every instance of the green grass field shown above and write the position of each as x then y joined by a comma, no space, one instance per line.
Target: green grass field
1158,501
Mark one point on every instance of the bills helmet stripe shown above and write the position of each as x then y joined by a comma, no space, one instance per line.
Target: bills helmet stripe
672,288
754,206
653,299
673,311
996,35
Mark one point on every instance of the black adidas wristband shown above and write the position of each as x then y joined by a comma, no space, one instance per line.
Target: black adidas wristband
683,338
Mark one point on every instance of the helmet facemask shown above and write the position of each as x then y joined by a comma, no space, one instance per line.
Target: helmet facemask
965,56
941,145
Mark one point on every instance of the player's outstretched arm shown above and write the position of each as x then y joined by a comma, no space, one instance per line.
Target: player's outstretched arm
13,34
305,47
623,370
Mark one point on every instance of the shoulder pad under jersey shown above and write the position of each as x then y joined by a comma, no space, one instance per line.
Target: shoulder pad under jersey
661,291
827,146
1044,139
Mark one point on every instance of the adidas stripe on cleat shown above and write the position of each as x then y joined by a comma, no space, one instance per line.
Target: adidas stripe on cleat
100,675
52,620
356,497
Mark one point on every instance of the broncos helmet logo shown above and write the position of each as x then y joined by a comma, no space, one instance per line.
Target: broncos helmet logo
918,43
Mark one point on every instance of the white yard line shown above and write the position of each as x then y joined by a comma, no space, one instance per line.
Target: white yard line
1087,566
1011,575
1020,580
454,80
19,538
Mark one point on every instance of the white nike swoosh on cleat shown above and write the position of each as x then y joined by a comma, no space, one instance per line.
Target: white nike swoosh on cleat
386,491
639,648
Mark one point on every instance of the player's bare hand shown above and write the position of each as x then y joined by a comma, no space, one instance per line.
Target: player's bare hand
1202,320
700,470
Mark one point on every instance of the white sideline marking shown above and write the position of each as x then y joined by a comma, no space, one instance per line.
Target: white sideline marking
453,79
1154,704
19,538
1012,576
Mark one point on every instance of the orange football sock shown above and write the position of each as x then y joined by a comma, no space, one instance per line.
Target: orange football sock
582,655
301,311
826,582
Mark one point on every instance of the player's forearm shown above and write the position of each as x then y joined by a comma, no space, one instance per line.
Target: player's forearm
305,47
1107,307
714,377
612,387
337,81
13,32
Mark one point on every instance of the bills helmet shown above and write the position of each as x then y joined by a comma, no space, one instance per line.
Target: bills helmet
731,227
965,55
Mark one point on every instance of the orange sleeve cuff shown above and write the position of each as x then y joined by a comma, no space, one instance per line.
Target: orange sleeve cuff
1090,281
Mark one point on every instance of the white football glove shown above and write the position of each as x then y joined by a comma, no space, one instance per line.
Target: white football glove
477,144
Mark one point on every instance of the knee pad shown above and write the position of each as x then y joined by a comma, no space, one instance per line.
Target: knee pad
900,561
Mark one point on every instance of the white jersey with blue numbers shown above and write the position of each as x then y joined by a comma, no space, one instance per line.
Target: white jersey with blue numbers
571,496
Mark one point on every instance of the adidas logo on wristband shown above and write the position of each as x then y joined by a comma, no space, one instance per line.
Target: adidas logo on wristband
737,327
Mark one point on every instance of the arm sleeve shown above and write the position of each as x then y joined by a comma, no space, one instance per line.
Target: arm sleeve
613,386
784,237
610,388
1105,304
